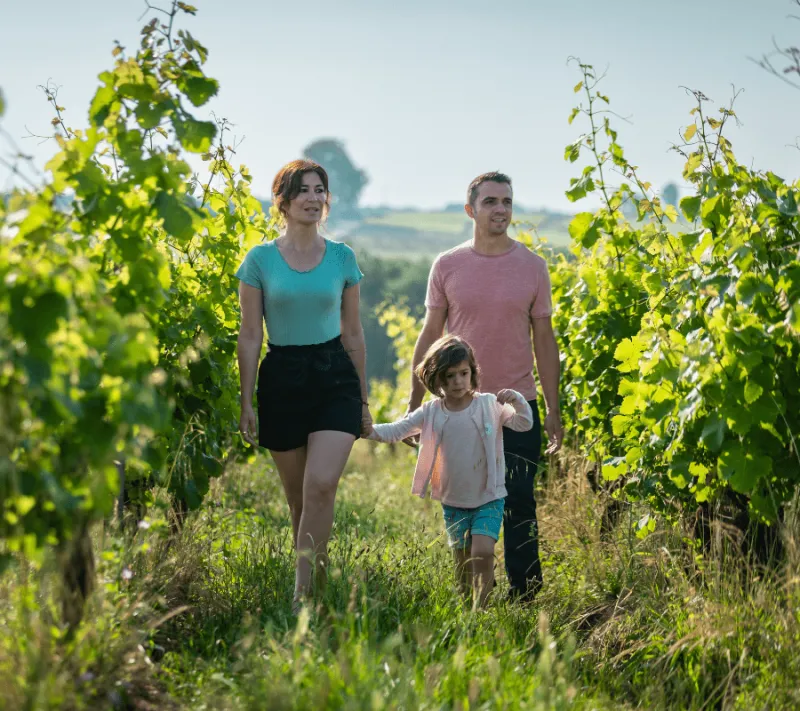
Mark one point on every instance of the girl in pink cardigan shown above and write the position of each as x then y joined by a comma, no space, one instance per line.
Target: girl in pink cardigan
461,455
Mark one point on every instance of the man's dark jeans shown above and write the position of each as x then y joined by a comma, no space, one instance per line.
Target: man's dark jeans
522,451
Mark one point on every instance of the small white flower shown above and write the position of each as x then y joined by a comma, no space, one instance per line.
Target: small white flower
127,573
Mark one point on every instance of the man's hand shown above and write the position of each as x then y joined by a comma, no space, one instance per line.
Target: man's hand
554,430
506,396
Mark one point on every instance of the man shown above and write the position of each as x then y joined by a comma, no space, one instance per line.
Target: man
495,293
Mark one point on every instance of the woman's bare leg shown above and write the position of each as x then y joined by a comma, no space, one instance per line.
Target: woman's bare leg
326,457
291,470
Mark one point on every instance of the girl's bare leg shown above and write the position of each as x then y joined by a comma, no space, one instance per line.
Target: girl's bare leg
461,558
482,563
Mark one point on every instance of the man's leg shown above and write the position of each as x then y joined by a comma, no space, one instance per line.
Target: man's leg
523,567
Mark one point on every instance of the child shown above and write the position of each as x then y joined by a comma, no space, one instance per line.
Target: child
461,455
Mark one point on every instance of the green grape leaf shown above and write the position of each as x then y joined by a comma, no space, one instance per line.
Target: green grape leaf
742,468
713,434
690,206
150,115
199,89
177,218
793,318
671,213
752,391
583,229
749,286
614,468
573,151
101,104
195,136
628,352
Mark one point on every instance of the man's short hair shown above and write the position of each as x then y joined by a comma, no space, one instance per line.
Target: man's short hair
493,177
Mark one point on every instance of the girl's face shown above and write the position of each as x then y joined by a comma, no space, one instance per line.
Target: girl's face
457,381
307,208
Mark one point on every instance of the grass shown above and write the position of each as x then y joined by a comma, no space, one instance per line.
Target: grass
203,621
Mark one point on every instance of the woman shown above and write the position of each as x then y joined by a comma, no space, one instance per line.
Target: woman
312,391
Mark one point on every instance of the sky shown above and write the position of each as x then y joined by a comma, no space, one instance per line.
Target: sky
426,94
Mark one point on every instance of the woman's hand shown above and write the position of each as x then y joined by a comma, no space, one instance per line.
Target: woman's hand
248,426
366,421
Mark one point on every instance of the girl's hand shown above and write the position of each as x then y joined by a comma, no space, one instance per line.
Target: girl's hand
366,421
248,426
506,396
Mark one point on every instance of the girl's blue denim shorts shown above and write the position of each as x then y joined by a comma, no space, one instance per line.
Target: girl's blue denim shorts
462,524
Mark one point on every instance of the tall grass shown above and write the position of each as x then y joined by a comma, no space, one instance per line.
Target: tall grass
203,621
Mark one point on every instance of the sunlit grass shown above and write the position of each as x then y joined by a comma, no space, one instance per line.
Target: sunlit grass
203,621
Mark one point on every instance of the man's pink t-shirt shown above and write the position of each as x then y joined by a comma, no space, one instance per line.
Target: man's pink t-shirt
490,301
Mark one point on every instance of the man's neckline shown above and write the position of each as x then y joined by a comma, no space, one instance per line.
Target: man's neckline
514,245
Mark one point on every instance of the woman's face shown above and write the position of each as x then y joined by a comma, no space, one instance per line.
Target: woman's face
308,207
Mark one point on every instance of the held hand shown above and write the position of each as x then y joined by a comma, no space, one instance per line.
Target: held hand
413,440
248,426
554,430
506,396
366,421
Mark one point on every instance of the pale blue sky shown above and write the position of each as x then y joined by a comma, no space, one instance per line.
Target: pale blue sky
428,93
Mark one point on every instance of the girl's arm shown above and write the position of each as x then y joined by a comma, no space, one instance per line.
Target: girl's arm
410,425
515,413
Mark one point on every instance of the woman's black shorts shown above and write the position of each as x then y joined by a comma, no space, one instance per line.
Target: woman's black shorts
305,389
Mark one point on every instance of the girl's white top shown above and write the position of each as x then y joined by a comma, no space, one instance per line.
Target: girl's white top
474,452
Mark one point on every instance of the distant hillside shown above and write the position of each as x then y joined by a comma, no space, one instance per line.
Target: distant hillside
413,234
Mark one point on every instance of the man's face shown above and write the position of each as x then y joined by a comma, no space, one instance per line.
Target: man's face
492,208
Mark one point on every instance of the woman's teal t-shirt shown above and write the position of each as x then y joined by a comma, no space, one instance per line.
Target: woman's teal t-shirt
301,308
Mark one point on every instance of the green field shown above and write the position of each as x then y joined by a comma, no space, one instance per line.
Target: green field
425,234
203,621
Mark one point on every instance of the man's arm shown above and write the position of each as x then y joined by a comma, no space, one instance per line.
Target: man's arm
432,329
548,366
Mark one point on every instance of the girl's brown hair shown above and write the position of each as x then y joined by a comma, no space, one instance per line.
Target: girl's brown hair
446,353
289,180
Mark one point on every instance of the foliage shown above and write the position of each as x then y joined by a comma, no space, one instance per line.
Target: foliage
119,314
681,350
389,281
202,620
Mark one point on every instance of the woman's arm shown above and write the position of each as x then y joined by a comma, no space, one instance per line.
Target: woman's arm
248,349
353,342
520,419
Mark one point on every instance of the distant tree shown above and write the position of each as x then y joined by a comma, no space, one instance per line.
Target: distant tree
346,181
670,195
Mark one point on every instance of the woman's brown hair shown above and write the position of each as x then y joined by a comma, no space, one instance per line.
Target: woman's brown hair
446,353
289,180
